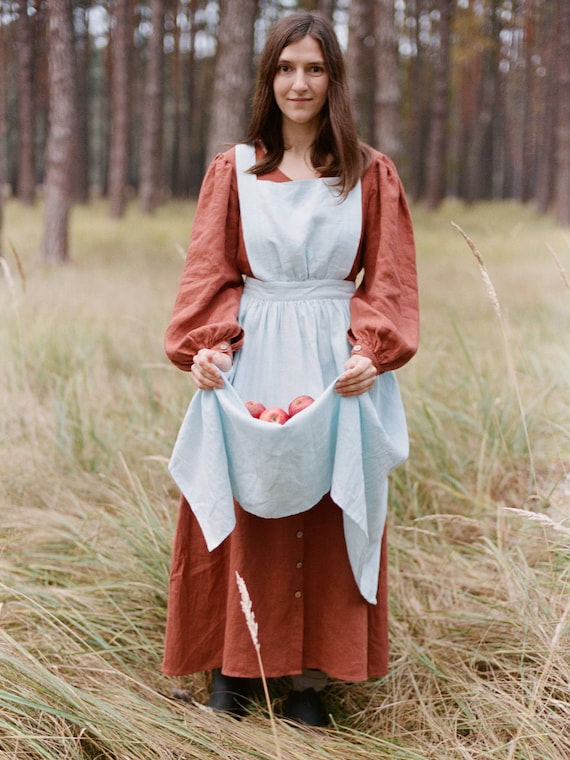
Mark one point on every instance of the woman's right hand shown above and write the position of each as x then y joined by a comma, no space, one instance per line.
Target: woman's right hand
206,368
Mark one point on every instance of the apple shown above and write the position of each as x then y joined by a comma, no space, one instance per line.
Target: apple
274,414
299,403
255,408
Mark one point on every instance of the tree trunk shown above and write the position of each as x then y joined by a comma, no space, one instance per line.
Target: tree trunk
479,99
417,107
546,119
562,182
41,87
26,182
178,165
199,82
528,179
479,161
3,128
325,7
119,147
518,126
150,161
233,76
437,140
387,91
360,65
60,143
498,134
82,91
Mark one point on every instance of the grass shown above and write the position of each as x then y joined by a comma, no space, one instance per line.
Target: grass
480,514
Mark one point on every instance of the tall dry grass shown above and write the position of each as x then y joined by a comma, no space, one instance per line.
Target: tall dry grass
479,526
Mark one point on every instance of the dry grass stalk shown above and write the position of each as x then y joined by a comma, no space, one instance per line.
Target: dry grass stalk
560,266
492,293
540,518
247,609
19,265
490,288
8,275
541,682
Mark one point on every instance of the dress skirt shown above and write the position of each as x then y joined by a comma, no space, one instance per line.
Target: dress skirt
308,607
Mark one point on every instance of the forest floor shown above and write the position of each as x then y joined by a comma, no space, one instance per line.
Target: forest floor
479,515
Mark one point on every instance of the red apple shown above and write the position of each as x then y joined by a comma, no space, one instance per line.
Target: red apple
299,403
255,408
274,414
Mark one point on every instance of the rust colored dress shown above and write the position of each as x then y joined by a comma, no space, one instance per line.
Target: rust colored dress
307,604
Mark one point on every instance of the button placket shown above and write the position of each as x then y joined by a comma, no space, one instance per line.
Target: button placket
299,564
294,592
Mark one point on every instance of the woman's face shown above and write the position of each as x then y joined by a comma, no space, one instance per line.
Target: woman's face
301,83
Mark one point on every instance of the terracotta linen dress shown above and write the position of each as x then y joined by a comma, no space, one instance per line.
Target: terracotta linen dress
309,608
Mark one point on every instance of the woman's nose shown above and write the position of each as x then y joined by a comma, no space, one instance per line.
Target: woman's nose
300,83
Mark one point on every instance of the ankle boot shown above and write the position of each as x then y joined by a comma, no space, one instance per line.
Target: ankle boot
305,707
229,694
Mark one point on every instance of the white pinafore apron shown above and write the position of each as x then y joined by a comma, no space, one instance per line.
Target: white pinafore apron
301,241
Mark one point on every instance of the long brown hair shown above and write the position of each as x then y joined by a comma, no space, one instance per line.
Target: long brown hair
337,151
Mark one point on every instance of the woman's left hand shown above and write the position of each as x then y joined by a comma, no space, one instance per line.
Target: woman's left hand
206,368
358,378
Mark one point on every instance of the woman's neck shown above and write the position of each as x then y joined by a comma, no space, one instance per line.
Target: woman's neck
296,162
298,138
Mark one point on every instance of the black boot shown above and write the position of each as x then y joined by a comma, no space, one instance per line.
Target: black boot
305,707
229,694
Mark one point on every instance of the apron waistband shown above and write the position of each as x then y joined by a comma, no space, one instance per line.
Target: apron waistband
295,290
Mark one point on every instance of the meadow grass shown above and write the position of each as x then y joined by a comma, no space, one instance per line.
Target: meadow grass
479,520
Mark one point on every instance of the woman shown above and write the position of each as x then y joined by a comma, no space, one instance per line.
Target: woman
268,309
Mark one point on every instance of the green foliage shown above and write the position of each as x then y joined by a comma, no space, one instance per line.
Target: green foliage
479,592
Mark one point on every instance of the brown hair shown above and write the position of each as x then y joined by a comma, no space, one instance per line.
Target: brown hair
337,151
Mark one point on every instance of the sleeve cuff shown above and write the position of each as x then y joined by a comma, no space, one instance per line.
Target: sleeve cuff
224,348
359,350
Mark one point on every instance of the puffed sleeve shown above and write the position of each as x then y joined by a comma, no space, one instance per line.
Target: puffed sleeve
205,312
384,309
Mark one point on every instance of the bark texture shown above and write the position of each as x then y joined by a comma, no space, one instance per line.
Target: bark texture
3,129
360,64
387,90
60,142
26,182
82,86
437,140
562,186
119,147
150,163
233,75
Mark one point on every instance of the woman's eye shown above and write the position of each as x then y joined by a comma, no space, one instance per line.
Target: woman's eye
314,70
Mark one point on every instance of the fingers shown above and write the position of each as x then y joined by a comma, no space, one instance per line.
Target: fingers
359,377
222,361
206,368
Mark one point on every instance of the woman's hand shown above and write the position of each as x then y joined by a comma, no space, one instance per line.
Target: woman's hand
358,378
206,368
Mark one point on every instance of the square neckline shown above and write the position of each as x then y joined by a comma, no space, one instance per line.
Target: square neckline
278,175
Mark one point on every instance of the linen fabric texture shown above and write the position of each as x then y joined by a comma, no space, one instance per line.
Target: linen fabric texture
292,324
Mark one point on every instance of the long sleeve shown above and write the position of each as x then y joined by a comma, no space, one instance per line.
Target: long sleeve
206,309
384,309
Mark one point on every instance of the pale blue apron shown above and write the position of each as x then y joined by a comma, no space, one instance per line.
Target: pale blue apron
301,241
